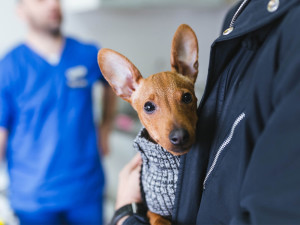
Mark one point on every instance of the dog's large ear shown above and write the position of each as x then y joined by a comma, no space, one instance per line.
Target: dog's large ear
184,52
120,73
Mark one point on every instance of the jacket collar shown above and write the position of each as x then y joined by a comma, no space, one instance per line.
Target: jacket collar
256,15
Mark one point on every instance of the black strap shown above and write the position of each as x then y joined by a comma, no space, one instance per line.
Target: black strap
128,210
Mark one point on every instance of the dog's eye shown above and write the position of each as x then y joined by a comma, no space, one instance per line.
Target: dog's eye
149,107
187,98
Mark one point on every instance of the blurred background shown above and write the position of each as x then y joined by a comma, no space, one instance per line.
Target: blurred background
142,30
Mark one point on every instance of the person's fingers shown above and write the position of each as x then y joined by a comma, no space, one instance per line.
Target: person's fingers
137,169
129,183
135,162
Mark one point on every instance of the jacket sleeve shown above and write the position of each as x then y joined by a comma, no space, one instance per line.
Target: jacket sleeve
270,192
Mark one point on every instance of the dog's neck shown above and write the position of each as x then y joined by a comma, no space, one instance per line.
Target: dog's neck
159,174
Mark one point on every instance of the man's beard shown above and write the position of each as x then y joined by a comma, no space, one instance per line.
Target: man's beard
51,29
54,32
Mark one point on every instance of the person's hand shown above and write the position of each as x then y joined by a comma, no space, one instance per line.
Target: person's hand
129,183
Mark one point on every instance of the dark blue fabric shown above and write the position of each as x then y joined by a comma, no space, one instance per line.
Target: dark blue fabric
249,120
52,155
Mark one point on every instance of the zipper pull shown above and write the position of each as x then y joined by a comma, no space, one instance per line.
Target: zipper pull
235,16
228,31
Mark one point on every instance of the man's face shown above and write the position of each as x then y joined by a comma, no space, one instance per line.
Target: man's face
42,15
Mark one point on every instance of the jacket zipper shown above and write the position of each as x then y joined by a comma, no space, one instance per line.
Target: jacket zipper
222,147
240,117
235,16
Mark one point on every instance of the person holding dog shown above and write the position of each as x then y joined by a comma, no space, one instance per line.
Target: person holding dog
243,168
47,132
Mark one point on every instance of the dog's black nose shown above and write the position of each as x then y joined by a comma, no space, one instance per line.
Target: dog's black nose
179,136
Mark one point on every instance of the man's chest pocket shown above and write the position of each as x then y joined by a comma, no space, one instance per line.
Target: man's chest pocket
77,83
77,77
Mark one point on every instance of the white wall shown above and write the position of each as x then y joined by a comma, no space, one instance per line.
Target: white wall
11,28
143,35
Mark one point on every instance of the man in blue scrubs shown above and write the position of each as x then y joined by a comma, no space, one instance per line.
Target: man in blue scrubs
47,132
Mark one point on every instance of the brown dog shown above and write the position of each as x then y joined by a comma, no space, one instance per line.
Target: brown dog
165,102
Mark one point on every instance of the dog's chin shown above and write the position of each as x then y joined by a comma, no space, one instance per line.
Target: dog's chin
180,150
179,153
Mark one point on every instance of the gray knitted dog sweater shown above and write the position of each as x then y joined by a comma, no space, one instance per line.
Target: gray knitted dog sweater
159,174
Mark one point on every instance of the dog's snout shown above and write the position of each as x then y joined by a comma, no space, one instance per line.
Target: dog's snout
179,137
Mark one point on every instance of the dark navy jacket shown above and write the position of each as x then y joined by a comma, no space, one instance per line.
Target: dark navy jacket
245,166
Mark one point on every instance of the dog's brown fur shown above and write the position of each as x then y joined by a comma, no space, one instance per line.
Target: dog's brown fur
164,90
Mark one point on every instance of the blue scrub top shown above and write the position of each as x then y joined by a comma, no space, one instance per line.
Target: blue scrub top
52,155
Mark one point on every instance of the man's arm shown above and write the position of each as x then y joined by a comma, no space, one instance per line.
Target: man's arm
3,141
108,112
271,190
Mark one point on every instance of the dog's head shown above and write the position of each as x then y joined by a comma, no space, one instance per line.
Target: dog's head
165,102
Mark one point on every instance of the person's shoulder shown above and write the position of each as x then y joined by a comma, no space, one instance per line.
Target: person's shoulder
292,18
12,54
82,45
289,34
9,61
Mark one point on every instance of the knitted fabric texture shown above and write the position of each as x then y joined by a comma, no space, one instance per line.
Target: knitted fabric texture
159,174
